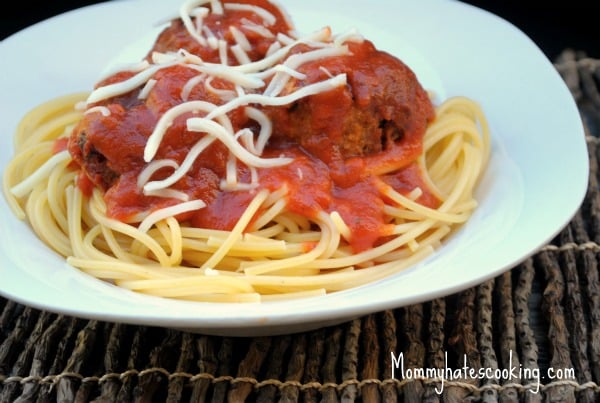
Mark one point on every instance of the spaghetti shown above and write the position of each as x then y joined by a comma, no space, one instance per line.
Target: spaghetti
239,162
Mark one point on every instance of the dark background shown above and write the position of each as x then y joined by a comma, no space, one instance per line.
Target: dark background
553,26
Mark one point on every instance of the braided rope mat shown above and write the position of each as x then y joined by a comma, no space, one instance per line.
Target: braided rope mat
535,330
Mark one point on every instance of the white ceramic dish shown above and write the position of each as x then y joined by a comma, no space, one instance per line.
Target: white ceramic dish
535,182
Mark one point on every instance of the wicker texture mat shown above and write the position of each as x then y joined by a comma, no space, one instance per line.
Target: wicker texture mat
535,330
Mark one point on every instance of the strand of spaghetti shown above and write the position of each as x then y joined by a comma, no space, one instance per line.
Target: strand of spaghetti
40,174
436,181
42,113
97,242
277,195
341,226
118,269
261,246
244,248
465,180
269,232
171,232
170,211
237,230
223,53
268,215
294,222
337,280
432,239
101,249
471,117
202,233
190,285
51,129
436,214
474,113
228,265
42,223
329,237
371,254
452,124
114,248
444,160
15,172
57,239
334,234
440,213
97,209
100,244
382,271
58,181
74,206
319,292
473,159
246,298
28,160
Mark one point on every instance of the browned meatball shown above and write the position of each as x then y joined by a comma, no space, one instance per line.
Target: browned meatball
382,103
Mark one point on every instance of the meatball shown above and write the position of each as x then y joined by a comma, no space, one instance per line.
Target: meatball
382,103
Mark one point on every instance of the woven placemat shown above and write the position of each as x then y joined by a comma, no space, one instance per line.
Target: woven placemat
531,334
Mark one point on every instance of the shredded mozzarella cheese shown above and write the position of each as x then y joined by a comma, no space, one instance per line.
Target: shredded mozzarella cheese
147,88
257,29
190,85
267,17
152,167
23,188
123,87
103,110
185,12
240,39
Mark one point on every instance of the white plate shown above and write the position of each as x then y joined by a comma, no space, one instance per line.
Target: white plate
535,182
